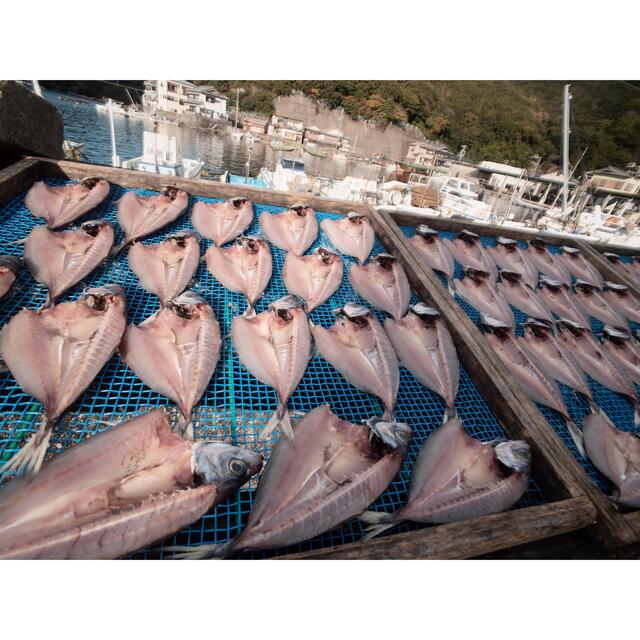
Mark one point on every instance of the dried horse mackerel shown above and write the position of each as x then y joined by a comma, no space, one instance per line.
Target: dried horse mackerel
580,268
222,221
520,296
469,251
292,230
592,301
357,346
433,251
9,267
332,471
61,259
61,205
118,492
314,278
175,352
560,300
275,346
352,235
622,300
140,216
477,290
508,256
55,354
165,269
457,477
549,265
623,350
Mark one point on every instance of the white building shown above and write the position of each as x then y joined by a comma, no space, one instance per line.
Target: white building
182,96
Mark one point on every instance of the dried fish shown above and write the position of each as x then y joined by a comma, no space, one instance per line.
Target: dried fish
469,251
222,221
547,263
580,268
433,250
623,350
520,296
592,301
508,256
9,267
292,230
478,290
560,300
352,235
622,300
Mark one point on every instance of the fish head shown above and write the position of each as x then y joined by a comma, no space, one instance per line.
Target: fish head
101,298
538,328
427,314
170,192
238,202
181,238
384,261
187,305
554,285
514,455
508,243
90,183
612,257
468,236
539,244
250,243
495,326
326,256
617,336
9,263
513,277
223,465
355,218
586,287
477,275
427,233
285,308
354,315
570,251
573,328
301,209
620,289
94,227
387,434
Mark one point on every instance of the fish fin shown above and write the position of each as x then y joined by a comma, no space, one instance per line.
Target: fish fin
118,248
377,522
29,458
184,427
577,437
249,312
14,242
202,552
47,303
279,419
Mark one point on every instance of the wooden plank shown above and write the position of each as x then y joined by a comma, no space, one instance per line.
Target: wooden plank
16,177
469,538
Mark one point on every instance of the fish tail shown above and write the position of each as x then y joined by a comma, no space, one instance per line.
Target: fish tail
202,552
204,258
450,413
30,457
636,414
14,242
118,248
48,301
577,437
250,311
184,427
450,287
377,522
279,419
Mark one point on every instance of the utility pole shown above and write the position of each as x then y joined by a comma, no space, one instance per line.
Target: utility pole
565,148
115,161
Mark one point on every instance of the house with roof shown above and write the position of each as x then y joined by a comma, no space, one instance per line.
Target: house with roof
424,153
332,139
184,97
286,128
254,123
613,181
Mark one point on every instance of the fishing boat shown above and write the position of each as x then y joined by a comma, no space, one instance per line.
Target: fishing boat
72,150
283,146
314,151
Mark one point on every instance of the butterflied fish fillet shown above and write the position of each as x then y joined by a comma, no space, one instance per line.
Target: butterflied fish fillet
383,283
165,269
313,278
61,205
327,475
433,250
616,454
469,251
54,355
222,221
592,301
508,255
61,259
118,492
175,352
579,267
352,235
622,300
623,268
292,230
478,290
520,296
547,263
559,299
244,267
140,216
457,477
423,345
623,350
357,346
275,346
9,267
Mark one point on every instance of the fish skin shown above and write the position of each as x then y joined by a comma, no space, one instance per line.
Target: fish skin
561,301
469,251
351,235
519,295
624,302
434,252
510,257
383,283
478,290
548,264
166,268
591,300
9,268
175,352
622,268
314,278
222,221
61,205
244,267
424,346
275,346
579,267
360,350
54,354
61,259
625,354
118,492
616,454
292,230
140,216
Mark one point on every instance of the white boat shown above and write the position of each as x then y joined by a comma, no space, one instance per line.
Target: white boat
289,175
72,150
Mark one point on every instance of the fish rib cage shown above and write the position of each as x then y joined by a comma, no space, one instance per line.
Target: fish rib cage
235,406
618,408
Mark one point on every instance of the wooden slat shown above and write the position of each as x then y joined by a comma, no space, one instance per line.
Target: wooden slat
16,177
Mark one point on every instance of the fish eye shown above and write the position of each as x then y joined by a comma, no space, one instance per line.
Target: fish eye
237,467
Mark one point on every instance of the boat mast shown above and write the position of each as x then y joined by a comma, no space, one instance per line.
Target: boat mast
235,128
115,161
565,149
36,88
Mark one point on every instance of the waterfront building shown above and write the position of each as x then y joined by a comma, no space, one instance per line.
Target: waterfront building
184,97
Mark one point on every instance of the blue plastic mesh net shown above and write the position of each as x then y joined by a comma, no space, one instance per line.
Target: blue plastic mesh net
235,406
617,407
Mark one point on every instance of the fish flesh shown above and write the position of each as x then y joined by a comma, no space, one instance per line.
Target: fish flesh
175,352
9,267
331,472
357,346
535,381
554,358
580,268
222,221
478,290
616,454
623,350
292,230
383,283
547,263
623,268
313,278
469,251
424,346
520,296
457,477
352,235
61,205
54,354
622,300
244,267
592,301
140,216
560,300
165,269
508,256
433,250
61,259
118,492
275,346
